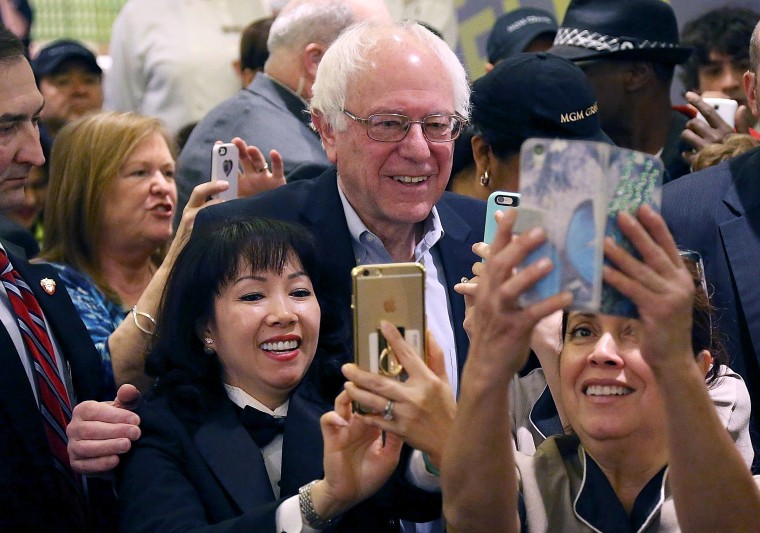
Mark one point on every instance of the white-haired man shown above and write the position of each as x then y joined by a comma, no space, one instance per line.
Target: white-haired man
272,112
390,138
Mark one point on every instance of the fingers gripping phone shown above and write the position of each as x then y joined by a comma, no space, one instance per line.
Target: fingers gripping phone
393,292
225,162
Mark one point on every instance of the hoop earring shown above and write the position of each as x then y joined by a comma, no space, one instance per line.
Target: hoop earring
485,179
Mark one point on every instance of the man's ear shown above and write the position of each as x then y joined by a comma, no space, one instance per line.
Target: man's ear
750,88
311,56
704,360
638,74
326,133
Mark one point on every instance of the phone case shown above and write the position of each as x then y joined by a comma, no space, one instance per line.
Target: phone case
498,201
394,292
725,107
576,190
225,162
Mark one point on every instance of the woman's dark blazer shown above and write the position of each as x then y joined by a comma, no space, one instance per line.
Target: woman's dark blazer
210,475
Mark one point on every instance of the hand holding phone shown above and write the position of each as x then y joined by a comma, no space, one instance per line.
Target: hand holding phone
724,107
225,164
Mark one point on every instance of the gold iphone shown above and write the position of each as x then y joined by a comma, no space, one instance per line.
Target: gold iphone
394,292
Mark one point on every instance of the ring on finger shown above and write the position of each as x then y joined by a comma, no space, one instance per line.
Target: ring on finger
388,411
264,168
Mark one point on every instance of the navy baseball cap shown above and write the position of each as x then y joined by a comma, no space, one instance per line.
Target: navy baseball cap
535,95
53,55
514,31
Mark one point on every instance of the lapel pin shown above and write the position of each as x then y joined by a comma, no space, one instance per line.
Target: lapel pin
48,285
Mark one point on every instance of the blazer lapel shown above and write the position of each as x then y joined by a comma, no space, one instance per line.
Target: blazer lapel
234,459
67,328
302,447
741,240
16,391
457,260
325,219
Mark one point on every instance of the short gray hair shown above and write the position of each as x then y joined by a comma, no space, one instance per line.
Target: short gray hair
309,21
350,54
754,50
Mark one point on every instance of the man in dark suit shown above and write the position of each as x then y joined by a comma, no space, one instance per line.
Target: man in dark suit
390,138
716,212
38,490
272,112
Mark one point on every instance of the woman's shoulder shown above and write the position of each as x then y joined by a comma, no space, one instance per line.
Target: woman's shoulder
73,277
87,297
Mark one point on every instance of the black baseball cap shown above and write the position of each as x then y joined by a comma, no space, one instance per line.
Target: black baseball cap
534,95
52,56
514,31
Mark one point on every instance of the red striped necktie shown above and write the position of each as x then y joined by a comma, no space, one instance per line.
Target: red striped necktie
55,405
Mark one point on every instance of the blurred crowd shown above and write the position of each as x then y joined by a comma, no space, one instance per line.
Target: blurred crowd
177,362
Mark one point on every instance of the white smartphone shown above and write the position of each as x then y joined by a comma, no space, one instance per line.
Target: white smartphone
725,107
225,163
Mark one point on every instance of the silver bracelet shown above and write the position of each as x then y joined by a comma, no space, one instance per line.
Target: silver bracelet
308,513
135,312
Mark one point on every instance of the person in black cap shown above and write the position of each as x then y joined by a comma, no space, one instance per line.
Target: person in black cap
526,29
69,79
628,49
521,98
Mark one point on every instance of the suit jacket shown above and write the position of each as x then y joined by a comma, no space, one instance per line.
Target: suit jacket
674,146
316,205
29,492
716,212
20,236
263,114
209,475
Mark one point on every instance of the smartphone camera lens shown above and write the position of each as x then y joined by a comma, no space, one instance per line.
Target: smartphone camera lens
538,150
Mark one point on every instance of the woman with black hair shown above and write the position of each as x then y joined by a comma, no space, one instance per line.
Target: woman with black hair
231,440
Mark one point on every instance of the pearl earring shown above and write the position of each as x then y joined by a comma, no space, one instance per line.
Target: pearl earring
208,349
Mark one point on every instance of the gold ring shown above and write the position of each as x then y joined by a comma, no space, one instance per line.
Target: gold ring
264,168
389,365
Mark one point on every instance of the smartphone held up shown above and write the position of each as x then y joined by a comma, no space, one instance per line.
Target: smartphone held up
225,164
395,293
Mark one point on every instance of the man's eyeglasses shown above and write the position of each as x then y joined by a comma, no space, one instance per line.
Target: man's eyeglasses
391,127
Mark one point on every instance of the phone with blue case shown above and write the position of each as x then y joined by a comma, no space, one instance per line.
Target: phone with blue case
576,190
498,201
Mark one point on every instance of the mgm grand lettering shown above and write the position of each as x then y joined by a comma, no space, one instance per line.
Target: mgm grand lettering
574,116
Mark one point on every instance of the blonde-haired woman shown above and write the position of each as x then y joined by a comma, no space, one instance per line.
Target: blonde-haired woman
111,201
